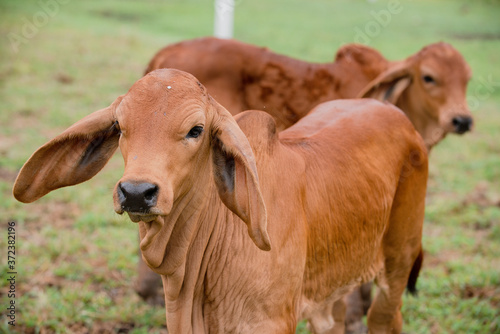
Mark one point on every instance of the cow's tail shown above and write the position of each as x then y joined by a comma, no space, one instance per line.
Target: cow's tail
411,286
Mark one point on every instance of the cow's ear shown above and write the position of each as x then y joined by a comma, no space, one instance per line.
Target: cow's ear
390,84
236,177
73,157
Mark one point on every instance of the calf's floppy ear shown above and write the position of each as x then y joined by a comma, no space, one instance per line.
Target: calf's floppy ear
74,156
236,177
390,84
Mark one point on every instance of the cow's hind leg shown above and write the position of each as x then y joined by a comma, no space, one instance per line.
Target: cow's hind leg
384,316
358,302
401,248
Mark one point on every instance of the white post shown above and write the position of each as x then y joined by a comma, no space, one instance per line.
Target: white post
224,17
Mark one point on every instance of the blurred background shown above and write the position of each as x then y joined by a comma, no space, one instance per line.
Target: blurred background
63,59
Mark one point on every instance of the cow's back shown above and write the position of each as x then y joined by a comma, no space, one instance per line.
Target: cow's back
355,153
242,76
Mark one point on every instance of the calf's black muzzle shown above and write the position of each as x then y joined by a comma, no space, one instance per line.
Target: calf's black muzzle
462,124
137,197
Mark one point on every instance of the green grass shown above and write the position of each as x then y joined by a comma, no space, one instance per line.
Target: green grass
76,257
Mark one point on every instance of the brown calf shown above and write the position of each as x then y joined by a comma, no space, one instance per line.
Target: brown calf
252,230
429,86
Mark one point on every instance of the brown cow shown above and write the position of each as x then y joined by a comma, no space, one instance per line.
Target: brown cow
429,86
334,201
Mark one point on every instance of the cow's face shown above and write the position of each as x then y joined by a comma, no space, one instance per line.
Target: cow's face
430,87
179,146
439,89
164,143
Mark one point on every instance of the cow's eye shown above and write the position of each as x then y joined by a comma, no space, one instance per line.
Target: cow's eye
195,132
428,79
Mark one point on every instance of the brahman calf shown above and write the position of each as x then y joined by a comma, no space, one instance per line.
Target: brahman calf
429,86
252,229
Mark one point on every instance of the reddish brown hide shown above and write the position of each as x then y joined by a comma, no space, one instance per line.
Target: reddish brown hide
253,230
429,86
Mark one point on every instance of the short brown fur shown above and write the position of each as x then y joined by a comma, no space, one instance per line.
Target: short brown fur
334,201
242,76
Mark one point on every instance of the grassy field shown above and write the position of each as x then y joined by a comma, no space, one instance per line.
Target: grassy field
76,258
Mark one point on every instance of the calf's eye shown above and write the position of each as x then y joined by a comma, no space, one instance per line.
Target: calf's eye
428,79
195,132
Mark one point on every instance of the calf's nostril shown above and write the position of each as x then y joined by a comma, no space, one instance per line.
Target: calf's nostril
151,193
121,193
